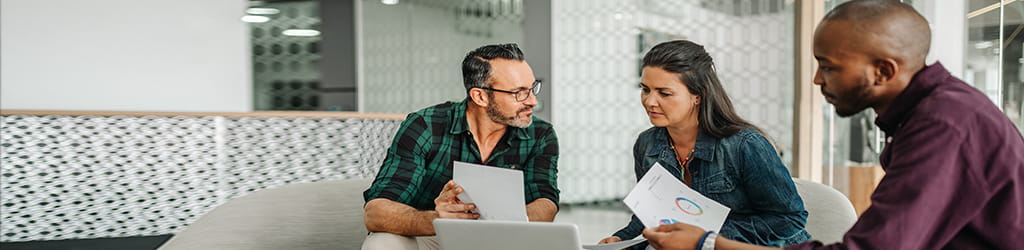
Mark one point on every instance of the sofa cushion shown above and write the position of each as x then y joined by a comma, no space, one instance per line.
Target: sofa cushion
321,215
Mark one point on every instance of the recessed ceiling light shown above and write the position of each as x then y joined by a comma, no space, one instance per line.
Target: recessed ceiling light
255,19
983,45
300,32
262,11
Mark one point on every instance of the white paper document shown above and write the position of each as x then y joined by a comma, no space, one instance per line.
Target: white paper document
497,192
660,198
615,245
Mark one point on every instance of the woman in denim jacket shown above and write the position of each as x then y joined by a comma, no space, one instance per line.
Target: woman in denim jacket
700,139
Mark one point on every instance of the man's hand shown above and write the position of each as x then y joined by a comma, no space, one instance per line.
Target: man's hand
610,240
674,236
449,206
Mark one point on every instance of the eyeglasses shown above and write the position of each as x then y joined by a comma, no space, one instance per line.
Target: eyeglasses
522,94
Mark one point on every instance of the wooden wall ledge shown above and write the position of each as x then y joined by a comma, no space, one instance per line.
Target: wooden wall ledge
257,114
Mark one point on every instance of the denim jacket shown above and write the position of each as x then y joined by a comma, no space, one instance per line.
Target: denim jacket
744,173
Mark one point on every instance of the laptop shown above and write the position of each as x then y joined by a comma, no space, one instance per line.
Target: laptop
505,235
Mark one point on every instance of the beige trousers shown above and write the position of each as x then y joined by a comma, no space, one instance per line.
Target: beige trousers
389,241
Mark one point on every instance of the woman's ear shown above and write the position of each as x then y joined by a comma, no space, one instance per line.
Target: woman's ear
696,100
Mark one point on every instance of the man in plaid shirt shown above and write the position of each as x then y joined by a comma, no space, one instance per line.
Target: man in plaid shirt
492,126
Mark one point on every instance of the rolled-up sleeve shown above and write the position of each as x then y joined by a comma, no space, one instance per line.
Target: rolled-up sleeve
399,176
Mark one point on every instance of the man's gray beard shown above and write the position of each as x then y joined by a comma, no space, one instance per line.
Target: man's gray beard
497,116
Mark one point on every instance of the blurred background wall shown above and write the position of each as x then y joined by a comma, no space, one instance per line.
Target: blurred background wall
190,55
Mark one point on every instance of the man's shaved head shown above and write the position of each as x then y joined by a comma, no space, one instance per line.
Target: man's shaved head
888,28
867,53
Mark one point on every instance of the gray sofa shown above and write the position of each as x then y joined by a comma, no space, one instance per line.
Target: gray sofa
321,215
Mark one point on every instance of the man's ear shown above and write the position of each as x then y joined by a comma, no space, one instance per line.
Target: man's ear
885,70
479,97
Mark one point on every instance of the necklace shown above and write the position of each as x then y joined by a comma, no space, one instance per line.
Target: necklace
684,163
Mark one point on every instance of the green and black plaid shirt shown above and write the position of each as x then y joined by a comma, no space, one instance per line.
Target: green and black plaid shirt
419,161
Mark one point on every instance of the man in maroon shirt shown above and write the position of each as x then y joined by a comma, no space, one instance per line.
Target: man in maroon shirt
954,163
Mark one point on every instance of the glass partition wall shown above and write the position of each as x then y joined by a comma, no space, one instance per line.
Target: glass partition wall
285,40
413,49
994,54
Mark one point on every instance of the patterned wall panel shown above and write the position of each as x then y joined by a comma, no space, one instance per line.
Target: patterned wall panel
596,106
371,140
91,177
413,50
312,150
285,68
88,177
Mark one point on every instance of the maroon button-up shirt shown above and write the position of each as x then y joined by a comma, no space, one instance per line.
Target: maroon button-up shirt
954,173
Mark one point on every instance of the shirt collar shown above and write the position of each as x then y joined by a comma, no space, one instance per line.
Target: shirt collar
461,125
458,114
920,86
704,149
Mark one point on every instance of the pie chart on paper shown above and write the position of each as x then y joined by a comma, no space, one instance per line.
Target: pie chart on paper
688,206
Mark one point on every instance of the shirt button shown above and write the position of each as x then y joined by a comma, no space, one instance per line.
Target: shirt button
888,139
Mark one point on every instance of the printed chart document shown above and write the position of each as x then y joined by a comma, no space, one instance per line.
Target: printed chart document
615,245
497,192
659,198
